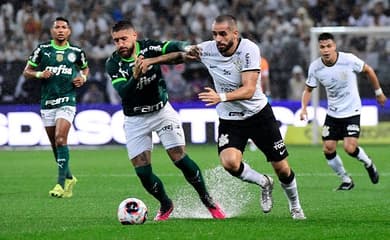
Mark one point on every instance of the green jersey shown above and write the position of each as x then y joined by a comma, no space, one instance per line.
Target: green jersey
149,92
65,62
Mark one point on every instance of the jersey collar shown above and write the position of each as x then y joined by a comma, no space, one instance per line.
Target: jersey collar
53,44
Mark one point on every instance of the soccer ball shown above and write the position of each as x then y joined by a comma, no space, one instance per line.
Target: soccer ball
132,211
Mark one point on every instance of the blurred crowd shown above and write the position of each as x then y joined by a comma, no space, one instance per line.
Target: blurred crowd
280,27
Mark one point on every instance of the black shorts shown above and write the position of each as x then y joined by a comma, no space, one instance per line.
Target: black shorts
339,128
262,128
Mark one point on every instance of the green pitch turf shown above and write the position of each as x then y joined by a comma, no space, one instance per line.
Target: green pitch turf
106,178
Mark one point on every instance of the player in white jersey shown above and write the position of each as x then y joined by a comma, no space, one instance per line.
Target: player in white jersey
337,72
243,110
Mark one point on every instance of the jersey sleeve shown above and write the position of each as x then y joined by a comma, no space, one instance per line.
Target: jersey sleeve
35,58
82,60
250,57
358,63
311,80
174,46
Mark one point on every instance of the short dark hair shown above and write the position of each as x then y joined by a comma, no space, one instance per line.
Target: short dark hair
122,25
231,20
325,36
62,19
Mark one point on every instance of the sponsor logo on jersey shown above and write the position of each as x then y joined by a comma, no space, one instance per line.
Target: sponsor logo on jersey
144,81
247,60
353,128
240,114
148,108
57,101
226,72
279,145
61,69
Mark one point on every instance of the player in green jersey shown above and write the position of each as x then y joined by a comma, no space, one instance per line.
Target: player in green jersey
146,109
61,68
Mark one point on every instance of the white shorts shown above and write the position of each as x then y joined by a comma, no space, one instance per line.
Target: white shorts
165,122
50,116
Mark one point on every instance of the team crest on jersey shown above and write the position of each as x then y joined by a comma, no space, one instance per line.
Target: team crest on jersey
223,140
237,64
59,57
344,76
72,57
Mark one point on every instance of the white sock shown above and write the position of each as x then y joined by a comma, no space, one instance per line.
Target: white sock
251,176
337,165
363,157
291,192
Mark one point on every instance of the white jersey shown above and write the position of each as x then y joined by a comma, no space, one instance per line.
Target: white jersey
226,74
340,82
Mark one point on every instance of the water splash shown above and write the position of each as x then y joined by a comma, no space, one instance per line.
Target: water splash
231,193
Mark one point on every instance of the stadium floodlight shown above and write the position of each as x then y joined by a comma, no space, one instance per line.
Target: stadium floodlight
373,34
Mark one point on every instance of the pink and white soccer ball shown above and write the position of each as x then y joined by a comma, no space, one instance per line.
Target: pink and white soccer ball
132,211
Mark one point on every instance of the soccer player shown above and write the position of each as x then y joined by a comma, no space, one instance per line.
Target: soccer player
337,72
244,111
61,68
146,109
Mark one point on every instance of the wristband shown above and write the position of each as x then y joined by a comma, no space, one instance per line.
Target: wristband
223,97
84,77
38,74
378,92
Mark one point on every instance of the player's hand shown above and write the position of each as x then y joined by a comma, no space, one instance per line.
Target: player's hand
303,114
209,96
46,74
381,99
192,53
145,65
137,69
78,81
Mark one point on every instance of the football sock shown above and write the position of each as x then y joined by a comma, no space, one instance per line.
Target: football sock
290,188
63,163
192,174
334,161
251,176
152,183
361,155
68,174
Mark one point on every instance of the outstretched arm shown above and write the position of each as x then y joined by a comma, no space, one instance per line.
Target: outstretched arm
169,58
380,96
306,95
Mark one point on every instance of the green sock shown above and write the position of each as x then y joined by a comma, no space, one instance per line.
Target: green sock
68,174
193,175
63,163
152,183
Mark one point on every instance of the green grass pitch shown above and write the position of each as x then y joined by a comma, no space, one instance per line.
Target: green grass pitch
106,177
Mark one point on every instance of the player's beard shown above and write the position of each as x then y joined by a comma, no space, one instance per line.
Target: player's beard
224,48
125,52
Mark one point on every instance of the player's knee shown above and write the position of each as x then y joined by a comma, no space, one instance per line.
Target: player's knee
235,171
283,171
60,140
176,153
352,150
